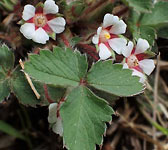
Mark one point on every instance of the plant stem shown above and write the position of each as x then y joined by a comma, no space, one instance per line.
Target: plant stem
90,50
47,94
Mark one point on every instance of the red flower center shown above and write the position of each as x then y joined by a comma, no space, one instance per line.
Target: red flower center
40,20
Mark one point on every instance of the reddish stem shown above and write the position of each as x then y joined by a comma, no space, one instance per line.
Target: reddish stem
83,82
73,11
47,94
90,50
59,105
86,46
92,8
65,40
17,7
122,11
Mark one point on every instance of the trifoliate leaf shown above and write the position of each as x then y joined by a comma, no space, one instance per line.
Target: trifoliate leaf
59,68
113,79
140,5
158,16
84,116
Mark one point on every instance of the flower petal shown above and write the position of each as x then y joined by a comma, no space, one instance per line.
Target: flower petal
118,44
139,74
125,66
95,39
57,127
50,7
52,117
142,46
119,27
99,30
147,65
28,12
40,36
57,24
110,20
28,30
104,52
127,51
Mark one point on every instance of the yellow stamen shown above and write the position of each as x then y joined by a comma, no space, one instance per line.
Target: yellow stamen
136,63
40,20
107,35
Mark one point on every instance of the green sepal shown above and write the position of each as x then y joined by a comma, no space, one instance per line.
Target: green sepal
21,22
149,54
52,35
113,55
97,48
40,4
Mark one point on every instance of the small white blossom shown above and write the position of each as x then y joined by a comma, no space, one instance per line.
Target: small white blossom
107,36
136,59
41,22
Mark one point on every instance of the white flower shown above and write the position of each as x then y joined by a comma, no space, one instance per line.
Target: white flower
41,22
107,36
136,59
54,119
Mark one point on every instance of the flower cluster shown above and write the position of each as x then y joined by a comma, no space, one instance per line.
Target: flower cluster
42,22
109,40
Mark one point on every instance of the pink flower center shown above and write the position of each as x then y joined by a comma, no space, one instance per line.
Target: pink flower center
132,61
104,36
40,20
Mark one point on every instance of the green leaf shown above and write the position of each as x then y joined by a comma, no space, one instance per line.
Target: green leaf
84,116
113,79
158,16
6,65
74,41
25,95
13,80
147,107
8,129
63,68
140,31
160,128
140,5
146,32
4,86
105,95
6,58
